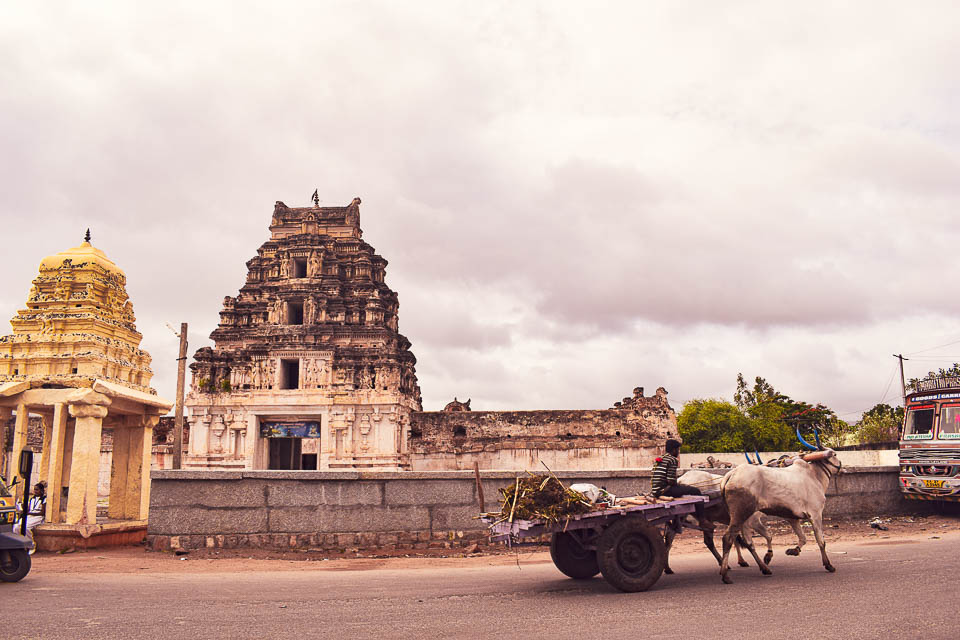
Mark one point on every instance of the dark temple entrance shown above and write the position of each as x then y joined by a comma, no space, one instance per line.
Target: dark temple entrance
285,454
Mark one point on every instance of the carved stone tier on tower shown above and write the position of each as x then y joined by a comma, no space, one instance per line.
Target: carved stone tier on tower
308,368
78,326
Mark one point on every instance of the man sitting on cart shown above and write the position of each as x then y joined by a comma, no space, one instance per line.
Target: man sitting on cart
664,480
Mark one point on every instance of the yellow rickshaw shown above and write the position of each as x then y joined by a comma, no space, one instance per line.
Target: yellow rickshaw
14,548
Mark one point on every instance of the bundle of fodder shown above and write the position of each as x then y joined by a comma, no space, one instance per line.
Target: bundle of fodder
540,498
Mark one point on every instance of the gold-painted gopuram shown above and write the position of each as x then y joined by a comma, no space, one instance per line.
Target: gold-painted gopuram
74,359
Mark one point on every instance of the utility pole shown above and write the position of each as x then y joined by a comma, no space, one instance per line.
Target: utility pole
178,420
903,384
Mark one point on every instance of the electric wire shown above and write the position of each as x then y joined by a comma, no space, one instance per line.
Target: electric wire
932,348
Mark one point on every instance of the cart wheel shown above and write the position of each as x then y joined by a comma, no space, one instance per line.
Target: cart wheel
631,554
14,565
571,558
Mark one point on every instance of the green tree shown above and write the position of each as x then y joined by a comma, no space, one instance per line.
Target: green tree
708,426
768,410
760,419
880,424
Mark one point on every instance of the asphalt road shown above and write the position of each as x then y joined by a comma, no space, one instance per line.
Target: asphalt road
886,588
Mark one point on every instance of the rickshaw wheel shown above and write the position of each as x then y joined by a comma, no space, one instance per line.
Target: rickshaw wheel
14,565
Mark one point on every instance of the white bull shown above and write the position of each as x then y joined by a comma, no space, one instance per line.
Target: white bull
711,482
793,493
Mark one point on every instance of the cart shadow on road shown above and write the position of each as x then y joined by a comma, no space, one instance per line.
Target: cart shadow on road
694,579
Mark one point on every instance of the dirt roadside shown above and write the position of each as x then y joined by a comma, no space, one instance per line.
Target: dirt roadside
139,560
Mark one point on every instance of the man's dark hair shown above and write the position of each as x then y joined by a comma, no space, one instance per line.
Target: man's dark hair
672,446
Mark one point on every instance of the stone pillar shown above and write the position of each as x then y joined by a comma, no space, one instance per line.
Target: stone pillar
5,415
200,435
250,441
324,446
46,424
130,471
19,442
85,463
118,469
53,461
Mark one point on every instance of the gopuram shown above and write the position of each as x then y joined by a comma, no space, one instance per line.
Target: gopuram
308,370
74,360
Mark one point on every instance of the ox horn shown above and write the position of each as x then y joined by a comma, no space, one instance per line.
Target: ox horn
816,437
823,454
807,444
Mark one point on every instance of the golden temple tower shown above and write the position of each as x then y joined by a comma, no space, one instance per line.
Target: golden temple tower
78,326
74,360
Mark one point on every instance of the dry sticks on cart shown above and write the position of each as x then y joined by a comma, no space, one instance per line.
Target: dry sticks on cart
540,497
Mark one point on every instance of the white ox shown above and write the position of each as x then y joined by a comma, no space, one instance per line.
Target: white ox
706,481
793,493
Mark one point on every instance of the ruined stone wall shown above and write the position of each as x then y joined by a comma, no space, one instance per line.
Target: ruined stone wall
561,439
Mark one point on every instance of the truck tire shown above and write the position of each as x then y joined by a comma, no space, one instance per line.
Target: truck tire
571,558
14,565
631,554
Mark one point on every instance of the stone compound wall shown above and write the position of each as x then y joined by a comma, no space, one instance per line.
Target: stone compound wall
519,440
406,510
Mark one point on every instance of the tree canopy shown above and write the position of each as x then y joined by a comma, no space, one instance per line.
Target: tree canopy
760,418
880,424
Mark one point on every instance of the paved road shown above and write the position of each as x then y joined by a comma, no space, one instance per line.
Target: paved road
895,588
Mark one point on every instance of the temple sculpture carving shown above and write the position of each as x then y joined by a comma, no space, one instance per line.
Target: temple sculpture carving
78,326
308,369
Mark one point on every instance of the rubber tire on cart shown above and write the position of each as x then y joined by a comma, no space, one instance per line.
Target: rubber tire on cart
572,559
14,565
631,554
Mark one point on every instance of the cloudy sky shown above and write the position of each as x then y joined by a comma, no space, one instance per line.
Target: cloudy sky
575,198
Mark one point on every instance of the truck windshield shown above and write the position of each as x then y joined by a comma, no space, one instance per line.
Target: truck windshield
919,423
950,423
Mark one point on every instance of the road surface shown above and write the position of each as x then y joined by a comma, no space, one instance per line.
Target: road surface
901,588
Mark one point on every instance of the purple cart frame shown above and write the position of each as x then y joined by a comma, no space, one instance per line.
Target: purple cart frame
625,544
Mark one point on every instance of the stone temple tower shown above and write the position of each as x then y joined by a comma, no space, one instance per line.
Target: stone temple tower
74,360
78,326
308,370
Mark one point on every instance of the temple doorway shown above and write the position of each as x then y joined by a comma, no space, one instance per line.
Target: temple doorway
290,454
285,453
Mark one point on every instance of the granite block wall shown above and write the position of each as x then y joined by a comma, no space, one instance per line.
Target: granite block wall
412,510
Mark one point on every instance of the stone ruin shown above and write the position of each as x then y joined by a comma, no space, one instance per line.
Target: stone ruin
456,405
626,436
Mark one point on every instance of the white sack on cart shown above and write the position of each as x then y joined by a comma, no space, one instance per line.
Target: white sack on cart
589,491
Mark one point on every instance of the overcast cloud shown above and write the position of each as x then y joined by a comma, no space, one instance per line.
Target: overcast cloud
575,198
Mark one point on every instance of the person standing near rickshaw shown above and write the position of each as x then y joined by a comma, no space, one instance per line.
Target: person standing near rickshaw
36,508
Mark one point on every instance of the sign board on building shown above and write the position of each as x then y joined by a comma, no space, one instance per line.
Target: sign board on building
937,383
290,429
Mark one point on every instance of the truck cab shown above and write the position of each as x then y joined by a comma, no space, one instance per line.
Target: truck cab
930,441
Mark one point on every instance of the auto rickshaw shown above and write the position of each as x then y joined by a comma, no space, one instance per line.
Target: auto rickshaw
14,548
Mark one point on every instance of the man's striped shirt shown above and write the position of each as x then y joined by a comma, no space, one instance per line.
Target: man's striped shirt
664,474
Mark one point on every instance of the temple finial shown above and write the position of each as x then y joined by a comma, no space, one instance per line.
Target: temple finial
316,197
86,238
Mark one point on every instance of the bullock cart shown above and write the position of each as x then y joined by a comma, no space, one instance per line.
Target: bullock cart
623,543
